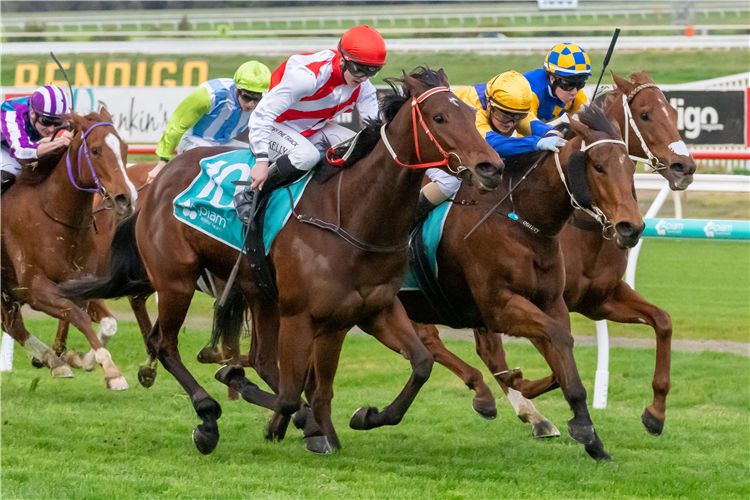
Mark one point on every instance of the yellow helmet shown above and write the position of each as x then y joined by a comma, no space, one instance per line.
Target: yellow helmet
509,92
253,77
568,60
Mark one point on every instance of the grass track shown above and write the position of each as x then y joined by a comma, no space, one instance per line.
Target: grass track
73,439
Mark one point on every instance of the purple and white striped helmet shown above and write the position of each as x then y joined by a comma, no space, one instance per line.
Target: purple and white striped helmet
50,101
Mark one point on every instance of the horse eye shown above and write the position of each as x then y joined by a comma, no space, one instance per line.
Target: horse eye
95,151
644,117
598,168
439,118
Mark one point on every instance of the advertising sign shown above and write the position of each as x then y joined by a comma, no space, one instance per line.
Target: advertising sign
710,116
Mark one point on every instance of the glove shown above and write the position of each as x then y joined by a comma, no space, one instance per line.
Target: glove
551,144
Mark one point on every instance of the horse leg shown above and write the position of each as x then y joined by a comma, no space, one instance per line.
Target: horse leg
393,329
484,401
98,313
61,337
628,306
520,318
12,322
490,349
173,306
326,353
147,370
45,299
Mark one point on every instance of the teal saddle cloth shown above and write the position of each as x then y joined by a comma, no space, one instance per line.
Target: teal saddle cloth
432,231
208,203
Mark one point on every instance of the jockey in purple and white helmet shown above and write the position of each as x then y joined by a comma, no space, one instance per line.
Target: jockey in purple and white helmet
27,124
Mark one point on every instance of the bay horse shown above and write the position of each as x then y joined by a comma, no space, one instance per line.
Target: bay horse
594,266
328,281
47,235
500,260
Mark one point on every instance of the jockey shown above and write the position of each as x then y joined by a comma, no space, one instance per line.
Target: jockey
27,124
291,125
214,113
557,88
501,105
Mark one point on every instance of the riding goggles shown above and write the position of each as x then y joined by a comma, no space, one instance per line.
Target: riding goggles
248,96
48,121
358,70
568,85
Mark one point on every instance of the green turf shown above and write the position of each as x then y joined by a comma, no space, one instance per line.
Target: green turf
462,68
70,438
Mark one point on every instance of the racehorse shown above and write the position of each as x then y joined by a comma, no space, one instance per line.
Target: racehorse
328,281
500,262
47,235
594,265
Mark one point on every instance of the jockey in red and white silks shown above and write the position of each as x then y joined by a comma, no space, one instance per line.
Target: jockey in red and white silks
289,125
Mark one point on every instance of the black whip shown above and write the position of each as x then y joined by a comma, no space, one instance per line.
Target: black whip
606,60
70,87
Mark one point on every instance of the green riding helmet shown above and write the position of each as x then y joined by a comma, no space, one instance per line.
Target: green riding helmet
253,77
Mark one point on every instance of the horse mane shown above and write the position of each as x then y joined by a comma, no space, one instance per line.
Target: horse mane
606,99
34,173
369,136
595,119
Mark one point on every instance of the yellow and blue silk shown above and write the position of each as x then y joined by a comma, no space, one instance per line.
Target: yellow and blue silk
545,107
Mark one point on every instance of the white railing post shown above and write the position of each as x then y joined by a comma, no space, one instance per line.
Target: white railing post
6,353
601,384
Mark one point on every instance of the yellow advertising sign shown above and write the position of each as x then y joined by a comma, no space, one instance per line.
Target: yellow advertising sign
116,74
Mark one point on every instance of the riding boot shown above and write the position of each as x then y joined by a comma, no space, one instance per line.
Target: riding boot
6,181
281,173
424,207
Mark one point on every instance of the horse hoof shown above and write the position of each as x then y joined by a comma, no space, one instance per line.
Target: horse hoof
72,359
88,362
318,445
596,450
359,418
117,383
206,356
299,418
37,363
485,409
509,377
205,441
653,425
62,371
584,434
146,376
545,429
226,373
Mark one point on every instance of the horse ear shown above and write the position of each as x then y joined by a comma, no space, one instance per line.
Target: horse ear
412,84
443,77
77,121
103,111
622,84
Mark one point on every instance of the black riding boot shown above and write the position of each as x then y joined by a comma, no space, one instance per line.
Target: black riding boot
6,181
424,207
281,173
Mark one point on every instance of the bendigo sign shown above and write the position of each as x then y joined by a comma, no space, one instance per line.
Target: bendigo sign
710,116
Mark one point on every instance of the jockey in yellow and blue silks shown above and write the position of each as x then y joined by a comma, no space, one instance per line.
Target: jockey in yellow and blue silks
556,88
501,105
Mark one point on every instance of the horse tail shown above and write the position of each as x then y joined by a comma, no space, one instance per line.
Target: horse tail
229,319
126,274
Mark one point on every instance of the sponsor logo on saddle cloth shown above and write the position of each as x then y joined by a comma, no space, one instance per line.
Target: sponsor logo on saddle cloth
432,232
208,203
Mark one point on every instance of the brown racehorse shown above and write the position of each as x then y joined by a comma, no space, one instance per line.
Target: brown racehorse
508,275
47,235
328,281
594,266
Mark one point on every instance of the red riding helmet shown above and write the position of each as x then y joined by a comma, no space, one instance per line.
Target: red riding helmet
363,44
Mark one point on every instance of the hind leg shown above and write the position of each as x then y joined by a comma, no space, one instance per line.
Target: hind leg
489,346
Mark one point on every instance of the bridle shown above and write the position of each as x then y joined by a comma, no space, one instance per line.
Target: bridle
414,112
85,148
595,212
652,160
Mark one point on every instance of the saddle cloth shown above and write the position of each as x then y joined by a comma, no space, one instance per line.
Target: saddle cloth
208,203
432,231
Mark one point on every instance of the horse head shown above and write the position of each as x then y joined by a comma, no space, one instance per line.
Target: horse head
452,131
601,175
101,158
655,120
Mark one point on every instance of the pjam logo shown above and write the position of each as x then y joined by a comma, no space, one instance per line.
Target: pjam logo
663,227
713,229
694,119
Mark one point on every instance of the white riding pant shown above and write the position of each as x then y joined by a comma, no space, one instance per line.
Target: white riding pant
9,164
304,152
189,142
448,184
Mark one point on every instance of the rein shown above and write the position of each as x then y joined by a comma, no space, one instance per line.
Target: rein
84,146
652,160
414,112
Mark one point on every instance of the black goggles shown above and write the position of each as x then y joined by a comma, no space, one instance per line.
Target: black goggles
49,121
359,70
568,85
248,96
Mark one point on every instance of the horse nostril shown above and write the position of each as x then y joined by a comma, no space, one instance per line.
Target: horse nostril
627,230
677,167
122,201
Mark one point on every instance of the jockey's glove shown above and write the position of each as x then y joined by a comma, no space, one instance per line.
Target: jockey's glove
551,144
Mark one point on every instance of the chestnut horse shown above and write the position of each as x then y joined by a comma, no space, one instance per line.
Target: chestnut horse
594,265
328,281
500,262
47,235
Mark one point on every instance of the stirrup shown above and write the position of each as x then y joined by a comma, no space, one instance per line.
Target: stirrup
244,203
